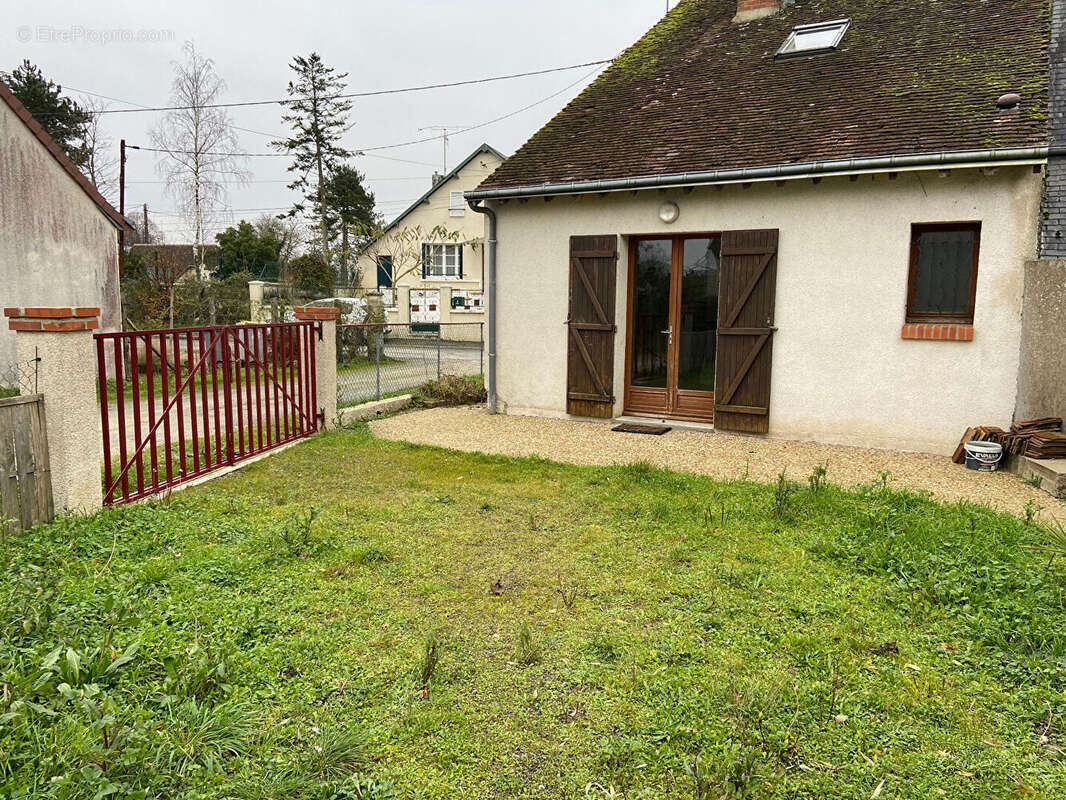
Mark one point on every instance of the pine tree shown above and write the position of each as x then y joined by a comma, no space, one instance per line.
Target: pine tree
63,119
318,119
350,207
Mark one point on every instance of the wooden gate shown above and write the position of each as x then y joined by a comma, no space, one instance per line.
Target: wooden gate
591,326
25,478
745,330
178,404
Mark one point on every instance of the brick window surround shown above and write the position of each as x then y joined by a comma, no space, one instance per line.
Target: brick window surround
938,332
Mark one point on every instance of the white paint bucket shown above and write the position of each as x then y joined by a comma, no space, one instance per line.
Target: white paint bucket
983,456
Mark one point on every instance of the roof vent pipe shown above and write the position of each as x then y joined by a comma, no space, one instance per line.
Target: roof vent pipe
747,10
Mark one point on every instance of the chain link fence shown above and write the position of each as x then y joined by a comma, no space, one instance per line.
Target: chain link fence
376,361
18,378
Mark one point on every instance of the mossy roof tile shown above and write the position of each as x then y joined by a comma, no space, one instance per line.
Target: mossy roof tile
700,93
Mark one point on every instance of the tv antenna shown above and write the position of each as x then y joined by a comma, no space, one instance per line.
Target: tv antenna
445,132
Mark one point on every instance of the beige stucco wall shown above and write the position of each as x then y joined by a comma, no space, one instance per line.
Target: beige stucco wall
435,212
841,372
56,247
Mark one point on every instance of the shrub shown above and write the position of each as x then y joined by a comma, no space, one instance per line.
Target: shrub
455,390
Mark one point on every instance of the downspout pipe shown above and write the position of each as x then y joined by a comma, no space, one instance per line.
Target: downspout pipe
490,259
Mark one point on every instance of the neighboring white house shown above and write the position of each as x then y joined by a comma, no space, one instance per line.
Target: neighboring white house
425,278
784,219
59,238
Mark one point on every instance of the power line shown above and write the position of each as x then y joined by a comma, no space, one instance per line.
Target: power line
367,150
351,95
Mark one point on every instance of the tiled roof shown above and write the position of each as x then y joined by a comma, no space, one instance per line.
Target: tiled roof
64,160
484,148
701,93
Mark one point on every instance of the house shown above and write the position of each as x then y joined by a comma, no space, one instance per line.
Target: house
59,238
816,220
428,262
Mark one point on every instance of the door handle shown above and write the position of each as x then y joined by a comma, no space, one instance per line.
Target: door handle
669,332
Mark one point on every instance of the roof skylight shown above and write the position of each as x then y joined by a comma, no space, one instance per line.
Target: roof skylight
821,37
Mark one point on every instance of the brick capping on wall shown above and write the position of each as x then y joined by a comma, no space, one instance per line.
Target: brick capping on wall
59,319
317,313
939,333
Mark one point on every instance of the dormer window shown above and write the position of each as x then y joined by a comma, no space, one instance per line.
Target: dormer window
807,40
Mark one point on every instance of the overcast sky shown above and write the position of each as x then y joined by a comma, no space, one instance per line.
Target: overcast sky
390,44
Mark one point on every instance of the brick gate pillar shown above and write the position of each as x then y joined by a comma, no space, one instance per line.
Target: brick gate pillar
325,358
61,341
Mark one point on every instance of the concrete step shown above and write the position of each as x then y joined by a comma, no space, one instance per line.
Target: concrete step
1050,472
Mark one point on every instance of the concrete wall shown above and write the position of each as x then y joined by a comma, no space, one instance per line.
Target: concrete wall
841,372
435,212
56,247
1042,375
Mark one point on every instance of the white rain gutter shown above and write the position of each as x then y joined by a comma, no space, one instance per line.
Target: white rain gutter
813,169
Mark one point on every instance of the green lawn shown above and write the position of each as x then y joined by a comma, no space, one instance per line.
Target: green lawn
596,632
364,363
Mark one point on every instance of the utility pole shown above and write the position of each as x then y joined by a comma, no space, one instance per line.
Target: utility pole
146,223
445,130
122,206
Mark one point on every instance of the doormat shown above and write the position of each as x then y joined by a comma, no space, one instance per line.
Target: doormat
648,430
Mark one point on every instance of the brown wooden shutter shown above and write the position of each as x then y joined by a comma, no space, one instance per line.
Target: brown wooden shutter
591,324
745,331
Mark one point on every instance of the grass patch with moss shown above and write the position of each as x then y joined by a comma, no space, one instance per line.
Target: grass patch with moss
356,618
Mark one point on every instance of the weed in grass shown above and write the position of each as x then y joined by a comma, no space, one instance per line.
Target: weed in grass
526,650
784,491
816,480
1036,481
603,648
735,777
372,555
337,752
430,658
296,539
568,593
204,735
1031,511
196,673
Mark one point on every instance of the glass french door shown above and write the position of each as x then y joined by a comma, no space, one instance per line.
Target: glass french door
673,326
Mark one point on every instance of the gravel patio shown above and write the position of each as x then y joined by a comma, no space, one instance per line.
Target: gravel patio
718,455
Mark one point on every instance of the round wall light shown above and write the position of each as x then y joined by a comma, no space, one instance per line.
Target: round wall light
669,212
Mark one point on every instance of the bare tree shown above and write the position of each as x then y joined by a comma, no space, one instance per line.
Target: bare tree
155,233
101,166
202,152
289,233
403,247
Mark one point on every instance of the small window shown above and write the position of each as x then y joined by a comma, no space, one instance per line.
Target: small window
456,205
442,261
943,273
822,37
384,272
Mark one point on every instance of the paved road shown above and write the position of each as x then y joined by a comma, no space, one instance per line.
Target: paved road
417,363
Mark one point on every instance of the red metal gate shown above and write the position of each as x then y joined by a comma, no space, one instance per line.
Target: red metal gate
177,404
